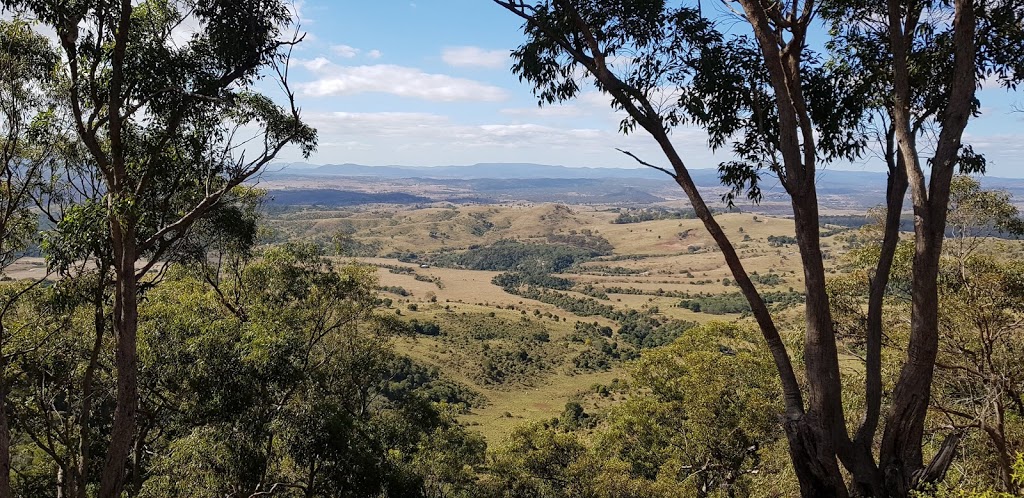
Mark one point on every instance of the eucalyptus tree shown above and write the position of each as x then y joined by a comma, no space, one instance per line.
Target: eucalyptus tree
27,62
934,56
786,110
160,93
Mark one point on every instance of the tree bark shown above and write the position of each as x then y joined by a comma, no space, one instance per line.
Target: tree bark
867,478
812,454
126,317
901,455
826,433
88,379
5,435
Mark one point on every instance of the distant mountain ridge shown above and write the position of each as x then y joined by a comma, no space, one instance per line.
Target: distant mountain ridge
548,183
703,176
524,171
470,172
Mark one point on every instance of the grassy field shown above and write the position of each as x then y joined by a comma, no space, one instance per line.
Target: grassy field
528,358
649,266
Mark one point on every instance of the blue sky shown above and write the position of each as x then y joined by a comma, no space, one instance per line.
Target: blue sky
427,82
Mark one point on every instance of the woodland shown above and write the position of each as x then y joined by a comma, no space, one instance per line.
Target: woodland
184,342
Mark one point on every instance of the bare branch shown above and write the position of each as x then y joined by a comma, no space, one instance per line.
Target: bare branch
649,165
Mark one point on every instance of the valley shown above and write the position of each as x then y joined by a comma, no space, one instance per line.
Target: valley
527,350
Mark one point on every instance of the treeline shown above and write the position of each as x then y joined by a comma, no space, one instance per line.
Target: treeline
506,255
639,329
494,351
652,214
781,240
642,292
724,304
600,353
514,280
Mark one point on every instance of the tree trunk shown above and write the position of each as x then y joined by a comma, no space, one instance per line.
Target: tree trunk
84,440
810,447
5,436
825,418
901,445
821,355
900,455
867,477
813,459
126,322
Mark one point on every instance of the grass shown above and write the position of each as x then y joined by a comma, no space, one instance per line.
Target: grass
670,255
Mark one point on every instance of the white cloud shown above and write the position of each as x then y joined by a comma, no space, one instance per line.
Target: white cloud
377,124
345,51
435,130
313,64
474,57
395,80
590,104
374,54
432,139
548,111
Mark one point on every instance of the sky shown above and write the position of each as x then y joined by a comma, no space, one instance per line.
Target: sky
428,83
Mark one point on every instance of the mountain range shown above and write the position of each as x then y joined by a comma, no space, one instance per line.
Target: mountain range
502,182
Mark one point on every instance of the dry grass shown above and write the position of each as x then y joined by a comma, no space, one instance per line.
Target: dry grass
671,255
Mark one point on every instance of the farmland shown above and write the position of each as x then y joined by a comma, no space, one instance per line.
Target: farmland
521,348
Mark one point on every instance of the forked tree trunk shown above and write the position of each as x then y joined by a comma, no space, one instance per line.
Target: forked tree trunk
901,458
825,435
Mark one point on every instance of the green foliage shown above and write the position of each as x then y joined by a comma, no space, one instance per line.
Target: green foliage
500,353
651,214
281,373
509,255
346,245
975,213
768,279
582,306
723,304
397,290
27,63
646,332
700,415
511,363
601,352
585,240
1018,479
511,281
424,328
781,240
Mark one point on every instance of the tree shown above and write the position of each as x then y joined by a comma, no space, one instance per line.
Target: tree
975,213
26,65
299,395
159,120
700,415
786,111
937,53
979,378
710,412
